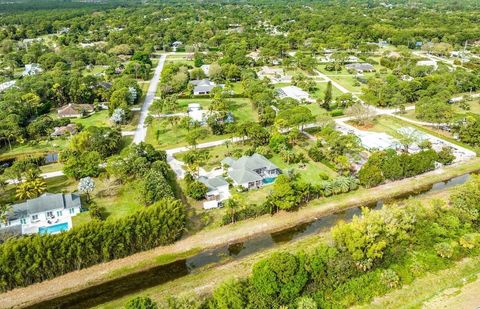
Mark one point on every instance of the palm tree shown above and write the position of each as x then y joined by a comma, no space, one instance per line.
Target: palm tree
341,185
231,205
30,189
326,187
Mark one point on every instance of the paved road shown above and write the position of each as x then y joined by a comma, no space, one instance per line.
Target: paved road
141,131
44,176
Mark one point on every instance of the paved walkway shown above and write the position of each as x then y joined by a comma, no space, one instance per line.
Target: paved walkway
141,131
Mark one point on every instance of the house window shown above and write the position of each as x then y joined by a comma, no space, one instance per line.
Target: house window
49,214
34,217
72,211
59,213
23,221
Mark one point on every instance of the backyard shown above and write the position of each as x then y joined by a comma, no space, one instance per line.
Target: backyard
162,134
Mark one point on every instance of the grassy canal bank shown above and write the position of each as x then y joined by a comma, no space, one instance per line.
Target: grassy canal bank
204,280
241,231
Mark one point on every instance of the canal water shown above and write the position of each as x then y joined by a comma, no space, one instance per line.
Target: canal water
130,284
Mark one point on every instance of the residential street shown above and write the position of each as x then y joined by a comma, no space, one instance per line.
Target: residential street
141,131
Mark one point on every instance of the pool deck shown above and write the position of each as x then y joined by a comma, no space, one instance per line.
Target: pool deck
34,228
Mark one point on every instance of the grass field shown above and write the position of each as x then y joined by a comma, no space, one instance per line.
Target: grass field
390,124
98,119
164,136
118,200
33,149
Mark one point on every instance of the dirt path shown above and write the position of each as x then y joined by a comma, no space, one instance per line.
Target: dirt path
465,297
241,231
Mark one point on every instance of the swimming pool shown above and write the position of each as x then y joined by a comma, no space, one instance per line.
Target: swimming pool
268,180
53,228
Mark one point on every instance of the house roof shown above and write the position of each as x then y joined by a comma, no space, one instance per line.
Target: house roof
74,109
44,203
202,82
228,161
360,66
254,162
213,183
9,231
69,128
243,176
7,85
295,93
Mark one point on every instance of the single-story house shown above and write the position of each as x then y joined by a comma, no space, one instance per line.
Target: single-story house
105,85
75,110
69,129
49,213
251,172
276,75
428,63
295,93
7,85
203,86
217,191
360,67
196,113
32,69
205,68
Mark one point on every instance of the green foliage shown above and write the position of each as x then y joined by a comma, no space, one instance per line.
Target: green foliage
141,302
283,195
389,165
86,164
156,186
280,278
197,190
48,256
230,295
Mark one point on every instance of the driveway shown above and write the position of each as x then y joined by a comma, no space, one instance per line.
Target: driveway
141,131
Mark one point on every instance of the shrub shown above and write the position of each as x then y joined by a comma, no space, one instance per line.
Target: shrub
390,278
141,302
281,277
230,295
196,190
444,249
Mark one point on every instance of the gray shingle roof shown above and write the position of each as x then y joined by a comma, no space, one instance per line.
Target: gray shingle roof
228,161
254,162
360,66
213,183
43,203
243,176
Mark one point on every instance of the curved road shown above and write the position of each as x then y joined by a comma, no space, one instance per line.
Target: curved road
141,131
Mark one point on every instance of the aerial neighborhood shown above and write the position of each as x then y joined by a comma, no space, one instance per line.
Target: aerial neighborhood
253,154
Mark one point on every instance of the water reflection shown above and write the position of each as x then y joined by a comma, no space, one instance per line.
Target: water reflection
152,277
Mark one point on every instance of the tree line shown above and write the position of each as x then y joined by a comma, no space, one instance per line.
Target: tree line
36,258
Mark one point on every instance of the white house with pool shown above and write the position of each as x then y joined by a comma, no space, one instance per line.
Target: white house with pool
49,213
251,172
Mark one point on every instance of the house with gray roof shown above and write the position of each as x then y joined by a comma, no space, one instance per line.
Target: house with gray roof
49,213
251,172
218,191
203,86
360,67
32,69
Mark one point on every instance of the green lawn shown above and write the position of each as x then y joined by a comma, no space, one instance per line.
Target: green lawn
27,149
118,200
98,119
309,172
163,135
390,124
218,153
320,92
